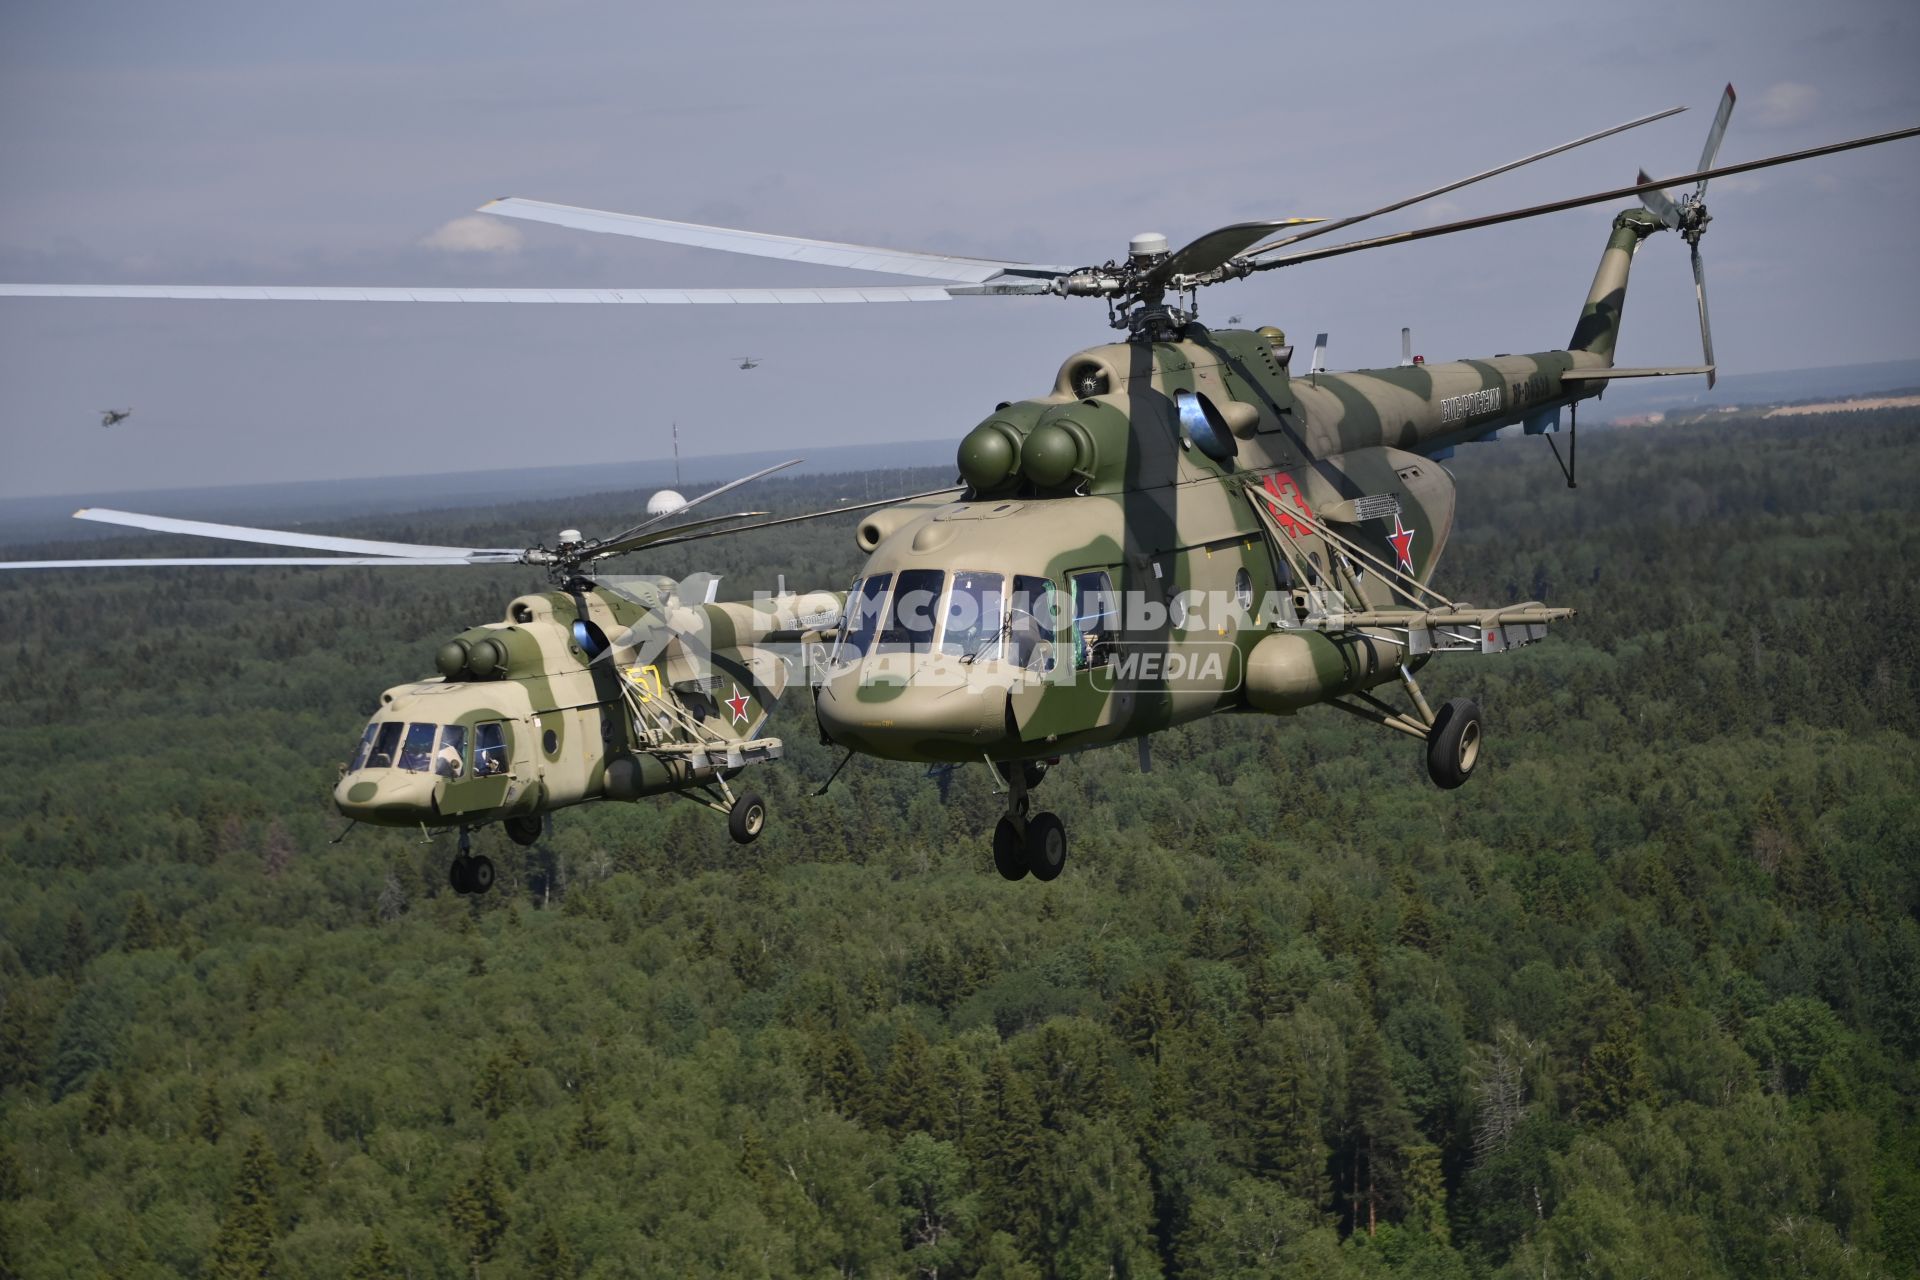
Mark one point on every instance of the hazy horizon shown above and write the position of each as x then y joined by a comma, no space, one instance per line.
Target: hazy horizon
222,143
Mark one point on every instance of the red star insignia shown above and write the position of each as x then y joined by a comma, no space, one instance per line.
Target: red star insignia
1402,540
738,705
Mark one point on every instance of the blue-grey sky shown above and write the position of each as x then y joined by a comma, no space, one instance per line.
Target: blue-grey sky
334,144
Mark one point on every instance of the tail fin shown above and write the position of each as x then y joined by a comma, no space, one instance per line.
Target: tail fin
1599,327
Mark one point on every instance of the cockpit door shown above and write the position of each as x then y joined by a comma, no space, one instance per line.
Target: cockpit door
1077,694
486,779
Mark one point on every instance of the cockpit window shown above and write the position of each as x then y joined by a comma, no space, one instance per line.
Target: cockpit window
970,625
384,746
450,759
863,617
417,750
489,750
916,607
366,745
1030,624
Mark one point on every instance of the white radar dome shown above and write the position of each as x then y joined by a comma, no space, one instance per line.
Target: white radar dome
664,502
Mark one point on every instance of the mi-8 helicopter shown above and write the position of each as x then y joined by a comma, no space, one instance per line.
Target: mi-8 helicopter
605,688
1182,526
747,362
110,416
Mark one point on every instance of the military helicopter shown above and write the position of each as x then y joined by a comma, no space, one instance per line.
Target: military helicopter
747,362
1181,526
110,416
602,689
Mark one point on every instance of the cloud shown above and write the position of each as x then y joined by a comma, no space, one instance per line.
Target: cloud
474,234
1787,103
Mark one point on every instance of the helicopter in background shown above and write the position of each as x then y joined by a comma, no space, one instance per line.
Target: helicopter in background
747,362
601,689
110,416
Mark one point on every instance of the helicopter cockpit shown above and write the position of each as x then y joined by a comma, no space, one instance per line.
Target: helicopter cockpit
970,616
926,658
440,749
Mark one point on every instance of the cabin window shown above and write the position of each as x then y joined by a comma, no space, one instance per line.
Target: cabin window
489,750
416,753
863,617
1030,623
450,759
1096,614
385,746
970,625
915,609
589,638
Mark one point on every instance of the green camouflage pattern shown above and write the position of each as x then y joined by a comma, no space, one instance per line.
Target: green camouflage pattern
1151,461
565,717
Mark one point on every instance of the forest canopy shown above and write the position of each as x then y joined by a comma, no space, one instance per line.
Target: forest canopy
1642,998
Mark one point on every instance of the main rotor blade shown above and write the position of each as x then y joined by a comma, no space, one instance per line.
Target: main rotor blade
638,541
334,293
625,541
1714,135
363,562
1495,172
1218,247
311,541
1700,296
1557,206
1660,205
760,244
672,535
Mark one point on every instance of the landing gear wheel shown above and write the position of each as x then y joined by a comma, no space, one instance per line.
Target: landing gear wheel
479,874
1009,850
747,819
523,830
1453,744
460,874
1046,846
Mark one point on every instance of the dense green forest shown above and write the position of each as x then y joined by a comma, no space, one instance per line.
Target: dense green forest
1643,998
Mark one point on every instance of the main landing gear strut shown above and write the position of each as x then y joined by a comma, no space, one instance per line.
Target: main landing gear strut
1026,843
1452,734
470,874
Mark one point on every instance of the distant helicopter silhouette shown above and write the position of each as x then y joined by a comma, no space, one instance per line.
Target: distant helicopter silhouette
748,362
110,416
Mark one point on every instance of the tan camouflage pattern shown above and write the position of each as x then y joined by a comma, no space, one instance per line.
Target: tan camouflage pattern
1103,474
566,717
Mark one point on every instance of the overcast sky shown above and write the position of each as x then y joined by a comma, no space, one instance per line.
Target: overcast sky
348,143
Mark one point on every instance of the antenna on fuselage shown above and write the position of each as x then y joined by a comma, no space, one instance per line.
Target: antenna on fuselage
1319,353
1406,346
676,454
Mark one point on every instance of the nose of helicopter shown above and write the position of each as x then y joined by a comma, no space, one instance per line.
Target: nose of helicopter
914,709
386,797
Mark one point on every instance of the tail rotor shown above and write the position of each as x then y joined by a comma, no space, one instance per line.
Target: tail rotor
1689,217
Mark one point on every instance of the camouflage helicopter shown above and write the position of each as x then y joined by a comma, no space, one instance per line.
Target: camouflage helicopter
1182,526
603,688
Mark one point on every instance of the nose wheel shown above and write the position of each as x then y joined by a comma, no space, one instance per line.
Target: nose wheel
1025,844
470,874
